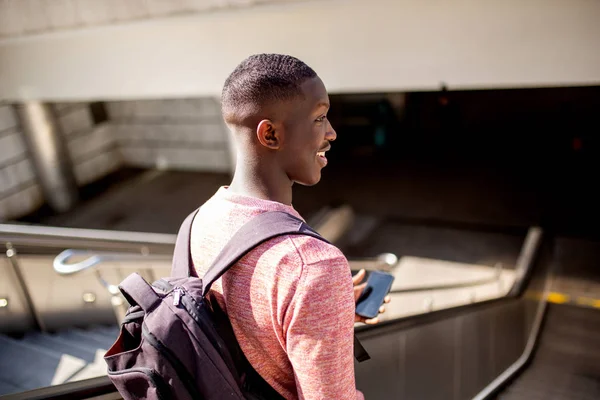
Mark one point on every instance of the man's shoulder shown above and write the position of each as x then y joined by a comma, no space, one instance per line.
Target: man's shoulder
313,251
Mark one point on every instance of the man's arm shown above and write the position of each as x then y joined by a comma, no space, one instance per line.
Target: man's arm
320,331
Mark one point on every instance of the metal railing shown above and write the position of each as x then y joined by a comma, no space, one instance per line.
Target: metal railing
11,254
129,249
56,236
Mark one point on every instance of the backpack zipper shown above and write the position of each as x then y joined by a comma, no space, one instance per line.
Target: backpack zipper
177,365
182,298
167,288
162,388
177,293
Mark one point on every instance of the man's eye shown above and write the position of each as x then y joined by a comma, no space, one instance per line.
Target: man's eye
321,119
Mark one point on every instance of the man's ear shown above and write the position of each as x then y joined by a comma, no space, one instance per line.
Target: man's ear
267,135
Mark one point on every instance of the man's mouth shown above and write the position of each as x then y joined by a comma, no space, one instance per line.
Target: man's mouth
321,156
321,153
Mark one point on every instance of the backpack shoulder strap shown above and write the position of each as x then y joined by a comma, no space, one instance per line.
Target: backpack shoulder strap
182,257
258,230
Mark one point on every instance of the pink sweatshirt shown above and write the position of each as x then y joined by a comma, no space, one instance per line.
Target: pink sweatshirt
290,301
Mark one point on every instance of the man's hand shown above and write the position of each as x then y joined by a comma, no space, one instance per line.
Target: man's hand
358,289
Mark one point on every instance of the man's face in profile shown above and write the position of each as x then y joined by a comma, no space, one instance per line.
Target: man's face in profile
308,134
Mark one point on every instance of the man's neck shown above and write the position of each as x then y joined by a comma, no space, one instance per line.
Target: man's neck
267,184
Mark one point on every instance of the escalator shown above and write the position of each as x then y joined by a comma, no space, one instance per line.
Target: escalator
481,350
566,365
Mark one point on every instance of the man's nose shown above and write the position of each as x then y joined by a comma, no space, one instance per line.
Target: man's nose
330,135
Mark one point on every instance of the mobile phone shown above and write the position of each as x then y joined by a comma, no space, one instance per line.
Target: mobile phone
378,286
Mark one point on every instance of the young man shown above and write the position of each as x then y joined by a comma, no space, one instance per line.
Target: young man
291,300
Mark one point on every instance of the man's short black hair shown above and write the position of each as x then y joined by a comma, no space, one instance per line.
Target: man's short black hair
262,79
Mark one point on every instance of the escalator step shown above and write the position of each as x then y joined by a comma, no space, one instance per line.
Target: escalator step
566,365
26,367
110,331
82,339
103,337
60,345
7,387
571,391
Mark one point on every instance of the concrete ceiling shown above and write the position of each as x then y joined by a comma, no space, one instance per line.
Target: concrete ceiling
379,46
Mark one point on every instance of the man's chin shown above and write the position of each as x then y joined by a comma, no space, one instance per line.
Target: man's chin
308,182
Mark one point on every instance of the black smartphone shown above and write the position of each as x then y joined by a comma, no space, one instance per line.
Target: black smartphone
378,286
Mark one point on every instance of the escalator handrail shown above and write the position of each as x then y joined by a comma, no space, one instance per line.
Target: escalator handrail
527,255
472,283
523,269
85,388
494,387
56,236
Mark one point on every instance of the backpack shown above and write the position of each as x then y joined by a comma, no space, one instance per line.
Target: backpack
175,342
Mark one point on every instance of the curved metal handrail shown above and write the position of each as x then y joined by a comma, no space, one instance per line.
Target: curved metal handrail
94,258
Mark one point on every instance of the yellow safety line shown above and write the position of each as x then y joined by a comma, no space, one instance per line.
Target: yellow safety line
561,298
588,301
558,298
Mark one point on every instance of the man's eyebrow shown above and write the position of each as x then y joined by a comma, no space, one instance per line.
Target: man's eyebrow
323,104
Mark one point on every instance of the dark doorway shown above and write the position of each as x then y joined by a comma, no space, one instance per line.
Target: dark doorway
514,156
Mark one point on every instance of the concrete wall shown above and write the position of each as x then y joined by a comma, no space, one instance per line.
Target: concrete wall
355,45
29,17
93,148
181,134
19,191
171,134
